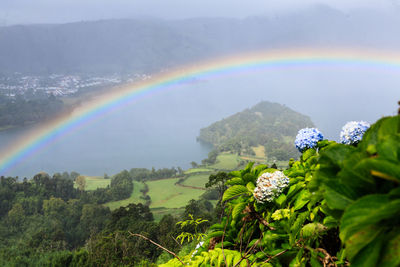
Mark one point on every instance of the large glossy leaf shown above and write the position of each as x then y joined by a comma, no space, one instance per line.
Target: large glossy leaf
391,251
238,208
361,239
390,148
336,197
367,211
234,191
369,256
383,169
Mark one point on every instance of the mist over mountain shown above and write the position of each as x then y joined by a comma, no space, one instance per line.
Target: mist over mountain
149,45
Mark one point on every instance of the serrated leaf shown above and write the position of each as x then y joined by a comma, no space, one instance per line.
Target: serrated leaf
215,234
234,191
235,181
308,154
250,186
238,208
220,260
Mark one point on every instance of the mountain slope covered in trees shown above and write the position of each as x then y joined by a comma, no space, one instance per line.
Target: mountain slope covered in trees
271,125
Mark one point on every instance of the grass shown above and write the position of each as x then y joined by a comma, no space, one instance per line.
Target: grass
195,170
134,198
197,180
164,193
226,161
94,182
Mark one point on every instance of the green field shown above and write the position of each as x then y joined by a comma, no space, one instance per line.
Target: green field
164,193
197,180
226,162
134,198
260,151
196,170
94,182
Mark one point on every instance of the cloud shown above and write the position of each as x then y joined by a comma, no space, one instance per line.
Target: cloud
50,11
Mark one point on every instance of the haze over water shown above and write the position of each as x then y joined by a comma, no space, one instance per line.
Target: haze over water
160,131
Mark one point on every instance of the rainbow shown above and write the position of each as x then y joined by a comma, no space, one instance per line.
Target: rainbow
47,133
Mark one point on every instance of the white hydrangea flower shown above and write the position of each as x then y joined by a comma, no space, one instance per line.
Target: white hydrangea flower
269,186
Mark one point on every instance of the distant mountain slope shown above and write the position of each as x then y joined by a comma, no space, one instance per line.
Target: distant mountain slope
152,44
271,125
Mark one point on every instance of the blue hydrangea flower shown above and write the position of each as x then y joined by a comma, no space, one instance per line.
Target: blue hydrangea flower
353,131
307,138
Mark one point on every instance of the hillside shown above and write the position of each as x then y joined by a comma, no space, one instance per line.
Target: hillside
148,45
267,124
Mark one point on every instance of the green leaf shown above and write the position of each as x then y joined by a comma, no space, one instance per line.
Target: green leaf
361,239
235,181
366,211
215,234
302,199
330,221
337,199
390,171
250,186
391,252
308,154
369,256
235,173
258,169
248,167
248,177
238,208
312,229
281,199
234,191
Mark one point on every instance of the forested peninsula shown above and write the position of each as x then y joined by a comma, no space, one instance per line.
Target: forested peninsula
271,125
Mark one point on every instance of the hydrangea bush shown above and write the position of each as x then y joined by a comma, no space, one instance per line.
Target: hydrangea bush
269,186
308,138
338,205
353,131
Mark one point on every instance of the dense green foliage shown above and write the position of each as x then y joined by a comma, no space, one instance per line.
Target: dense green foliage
142,174
341,207
46,221
21,112
268,124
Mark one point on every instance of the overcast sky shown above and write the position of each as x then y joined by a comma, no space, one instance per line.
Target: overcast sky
60,11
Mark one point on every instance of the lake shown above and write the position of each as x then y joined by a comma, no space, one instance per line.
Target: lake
160,130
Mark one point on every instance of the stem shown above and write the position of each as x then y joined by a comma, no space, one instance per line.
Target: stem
158,245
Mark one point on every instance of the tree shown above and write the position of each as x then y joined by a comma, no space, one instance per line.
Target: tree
218,180
194,164
81,182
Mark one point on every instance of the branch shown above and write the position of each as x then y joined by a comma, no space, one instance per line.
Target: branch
250,209
283,251
248,252
158,245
